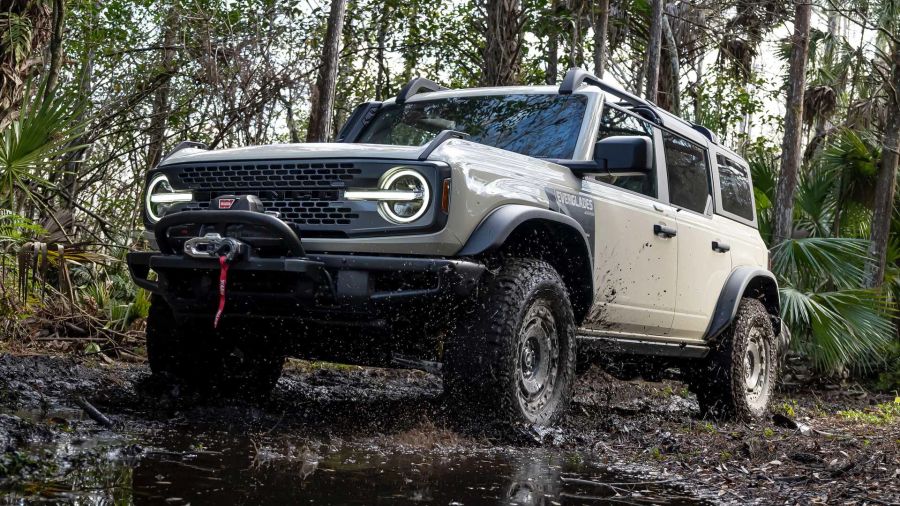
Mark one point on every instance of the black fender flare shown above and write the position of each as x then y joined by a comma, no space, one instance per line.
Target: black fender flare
493,232
760,283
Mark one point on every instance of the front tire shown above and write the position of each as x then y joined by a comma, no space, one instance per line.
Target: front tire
220,362
512,357
739,376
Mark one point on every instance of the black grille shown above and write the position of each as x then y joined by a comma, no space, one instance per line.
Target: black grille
301,212
267,175
309,194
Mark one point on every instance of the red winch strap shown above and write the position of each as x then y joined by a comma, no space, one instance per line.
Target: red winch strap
223,277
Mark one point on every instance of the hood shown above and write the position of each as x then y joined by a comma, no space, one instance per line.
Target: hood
295,151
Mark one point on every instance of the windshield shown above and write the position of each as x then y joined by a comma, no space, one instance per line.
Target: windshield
542,126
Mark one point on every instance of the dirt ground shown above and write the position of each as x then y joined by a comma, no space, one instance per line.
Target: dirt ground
810,452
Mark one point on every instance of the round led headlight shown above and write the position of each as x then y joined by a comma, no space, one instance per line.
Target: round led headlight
161,196
413,187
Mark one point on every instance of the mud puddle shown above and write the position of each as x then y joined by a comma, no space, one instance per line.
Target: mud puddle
326,436
216,467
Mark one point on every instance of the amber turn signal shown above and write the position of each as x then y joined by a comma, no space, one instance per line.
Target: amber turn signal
445,196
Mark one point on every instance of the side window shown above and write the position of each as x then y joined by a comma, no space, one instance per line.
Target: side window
688,172
734,182
615,122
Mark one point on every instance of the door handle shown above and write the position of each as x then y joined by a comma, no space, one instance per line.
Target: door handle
720,247
664,231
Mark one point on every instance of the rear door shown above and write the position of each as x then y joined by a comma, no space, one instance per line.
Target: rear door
704,257
735,209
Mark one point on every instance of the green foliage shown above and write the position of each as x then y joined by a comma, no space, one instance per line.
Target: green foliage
36,141
853,154
16,35
814,262
889,379
836,323
116,299
882,414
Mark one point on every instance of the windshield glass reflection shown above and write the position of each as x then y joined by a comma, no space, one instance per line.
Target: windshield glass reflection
542,126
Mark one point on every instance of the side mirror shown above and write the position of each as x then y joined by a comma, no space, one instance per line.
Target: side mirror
627,153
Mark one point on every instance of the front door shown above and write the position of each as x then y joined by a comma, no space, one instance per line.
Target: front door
635,238
636,258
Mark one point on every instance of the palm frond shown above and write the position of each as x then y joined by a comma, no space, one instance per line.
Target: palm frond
814,202
814,262
35,142
850,152
841,329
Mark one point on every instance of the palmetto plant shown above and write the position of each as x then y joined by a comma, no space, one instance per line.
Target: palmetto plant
34,144
835,322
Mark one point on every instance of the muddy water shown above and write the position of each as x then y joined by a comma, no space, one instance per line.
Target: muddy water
326,436
178,467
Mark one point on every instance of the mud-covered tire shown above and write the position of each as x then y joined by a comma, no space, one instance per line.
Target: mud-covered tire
511,358
220,362
738,378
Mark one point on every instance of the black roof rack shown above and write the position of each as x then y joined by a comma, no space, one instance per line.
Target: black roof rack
709,134
418,85
575,77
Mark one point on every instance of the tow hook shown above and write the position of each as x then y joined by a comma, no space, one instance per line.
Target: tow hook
213,245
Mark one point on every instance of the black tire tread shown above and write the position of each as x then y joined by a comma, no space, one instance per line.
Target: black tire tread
479,356
718,389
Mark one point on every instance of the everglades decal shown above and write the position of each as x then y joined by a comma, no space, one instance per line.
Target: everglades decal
578,207
569,199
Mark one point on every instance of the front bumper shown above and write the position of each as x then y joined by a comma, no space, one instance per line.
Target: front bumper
294,284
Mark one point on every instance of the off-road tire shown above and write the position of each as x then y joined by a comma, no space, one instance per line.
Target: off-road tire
485,375
222,362
721,383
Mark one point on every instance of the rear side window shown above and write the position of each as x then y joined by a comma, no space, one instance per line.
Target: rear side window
688,173
734,182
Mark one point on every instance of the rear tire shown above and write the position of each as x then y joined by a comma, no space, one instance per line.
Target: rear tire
738,377
512,357
221,362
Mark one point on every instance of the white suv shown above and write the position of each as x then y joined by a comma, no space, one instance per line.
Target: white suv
483,234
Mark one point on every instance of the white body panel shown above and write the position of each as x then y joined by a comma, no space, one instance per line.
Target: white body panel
702,272
634,270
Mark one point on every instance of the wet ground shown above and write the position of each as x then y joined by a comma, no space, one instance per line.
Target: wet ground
346,435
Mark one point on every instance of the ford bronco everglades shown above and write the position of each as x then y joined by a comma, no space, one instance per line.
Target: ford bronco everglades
484,234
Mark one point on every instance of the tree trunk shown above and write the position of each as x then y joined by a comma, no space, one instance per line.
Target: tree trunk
654,49
17,69
793,126
673,90
56,52
160,117
293,131
322,100
382,77
886,184
601,27
577,54
502,43
552,57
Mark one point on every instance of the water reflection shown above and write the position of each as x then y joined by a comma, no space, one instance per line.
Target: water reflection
224,469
